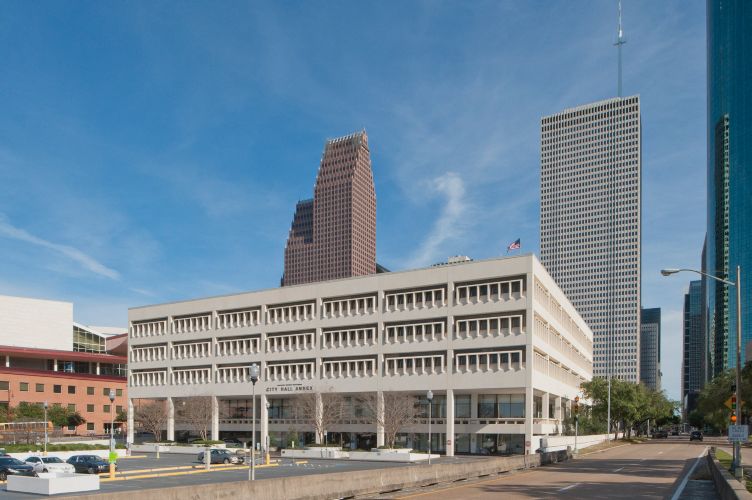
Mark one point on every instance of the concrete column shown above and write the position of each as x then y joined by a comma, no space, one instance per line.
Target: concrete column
7,362
557,414
450,423
379,418
54,364
544,403
528,417
319,416
130,421
215,419
264,422
474,405
170,419
97,370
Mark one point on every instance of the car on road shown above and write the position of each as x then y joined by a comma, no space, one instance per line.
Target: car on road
10,466
695,435
660,434
49,464
221,456
89,464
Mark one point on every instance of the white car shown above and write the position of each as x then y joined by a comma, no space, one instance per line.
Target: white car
49,464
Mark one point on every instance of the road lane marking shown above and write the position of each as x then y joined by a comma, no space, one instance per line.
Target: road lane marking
619,469
685,480
569,487
660,452
519,472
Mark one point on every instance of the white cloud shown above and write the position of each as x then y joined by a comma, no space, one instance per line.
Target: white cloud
86,261
449,224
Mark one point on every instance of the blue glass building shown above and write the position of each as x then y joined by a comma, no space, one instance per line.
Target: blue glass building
729,237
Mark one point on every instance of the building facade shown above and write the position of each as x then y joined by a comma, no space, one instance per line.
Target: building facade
76,370
729,180
333,235
591,163
650,348
496,341
695,346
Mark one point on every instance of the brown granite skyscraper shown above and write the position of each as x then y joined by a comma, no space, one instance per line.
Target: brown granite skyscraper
334,234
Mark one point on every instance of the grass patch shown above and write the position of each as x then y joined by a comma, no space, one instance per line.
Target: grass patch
724,458
29,448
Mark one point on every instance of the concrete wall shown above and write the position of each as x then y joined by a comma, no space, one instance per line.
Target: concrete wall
727,487
342,484
44,324
556,443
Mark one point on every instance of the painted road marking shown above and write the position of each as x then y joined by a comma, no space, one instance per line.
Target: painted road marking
619,469
685,480
569,487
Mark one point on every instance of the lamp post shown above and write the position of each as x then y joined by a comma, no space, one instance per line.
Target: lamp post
738,472
268,405
112,433
46,405
254,378
429,397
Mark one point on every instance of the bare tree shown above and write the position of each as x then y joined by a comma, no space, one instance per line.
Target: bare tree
399,410
196,412
321,410
152,416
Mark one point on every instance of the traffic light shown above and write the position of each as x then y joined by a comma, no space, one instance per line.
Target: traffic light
733,403
733,418
576,405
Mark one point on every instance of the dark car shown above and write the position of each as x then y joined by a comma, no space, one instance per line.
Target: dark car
89,464
660,435
695,435
10,466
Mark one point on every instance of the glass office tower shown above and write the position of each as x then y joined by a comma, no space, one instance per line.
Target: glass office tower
729,180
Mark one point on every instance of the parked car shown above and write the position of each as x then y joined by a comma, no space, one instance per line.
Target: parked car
660,434
220,456
10,466
49,464
89,464
695,435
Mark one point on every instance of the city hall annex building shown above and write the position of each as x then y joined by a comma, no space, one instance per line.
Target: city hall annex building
496,341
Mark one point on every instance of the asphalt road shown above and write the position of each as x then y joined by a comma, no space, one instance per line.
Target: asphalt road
651,470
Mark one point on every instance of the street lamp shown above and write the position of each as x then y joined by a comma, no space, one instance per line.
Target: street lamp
429,397
112,432
738,285
45,427
254,378
268,405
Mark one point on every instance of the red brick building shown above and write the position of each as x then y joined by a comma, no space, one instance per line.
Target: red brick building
333,235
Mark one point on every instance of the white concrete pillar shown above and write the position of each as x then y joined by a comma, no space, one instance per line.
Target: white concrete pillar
529,405
170,419
54,363
264,438
544,404
130,421
215,419
97,371
379,418
450,423
473,405
557,414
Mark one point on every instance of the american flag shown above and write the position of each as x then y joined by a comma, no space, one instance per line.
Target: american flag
515,245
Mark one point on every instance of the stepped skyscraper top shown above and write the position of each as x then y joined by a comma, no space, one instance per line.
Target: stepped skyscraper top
333,235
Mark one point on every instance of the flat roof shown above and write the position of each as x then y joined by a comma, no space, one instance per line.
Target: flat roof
31,352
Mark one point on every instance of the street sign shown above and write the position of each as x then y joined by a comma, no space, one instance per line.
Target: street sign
738,433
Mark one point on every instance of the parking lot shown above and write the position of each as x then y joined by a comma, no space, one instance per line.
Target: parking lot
148,471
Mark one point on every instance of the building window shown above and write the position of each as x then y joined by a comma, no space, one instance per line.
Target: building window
71,389
118,392
89,408
4,385
40,387
106,391
71,407
462,406
106,408
24,386
118,409
90,391
71,427
89,426
57,389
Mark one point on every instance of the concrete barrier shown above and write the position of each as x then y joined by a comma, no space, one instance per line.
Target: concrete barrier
727,487
341,484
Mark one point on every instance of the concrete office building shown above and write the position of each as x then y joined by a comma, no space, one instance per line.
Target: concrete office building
590,223
650,348
729,179
333,235
496,341
45,356
694,351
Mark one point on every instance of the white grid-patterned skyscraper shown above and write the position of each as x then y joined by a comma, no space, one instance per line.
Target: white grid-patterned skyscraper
591,165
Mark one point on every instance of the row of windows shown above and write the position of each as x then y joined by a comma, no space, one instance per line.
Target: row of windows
56,388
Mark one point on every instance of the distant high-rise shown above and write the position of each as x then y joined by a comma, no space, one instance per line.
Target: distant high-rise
333,235
591,164
694,351
650,348
729,181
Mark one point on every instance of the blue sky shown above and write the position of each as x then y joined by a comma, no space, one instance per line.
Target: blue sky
154,151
